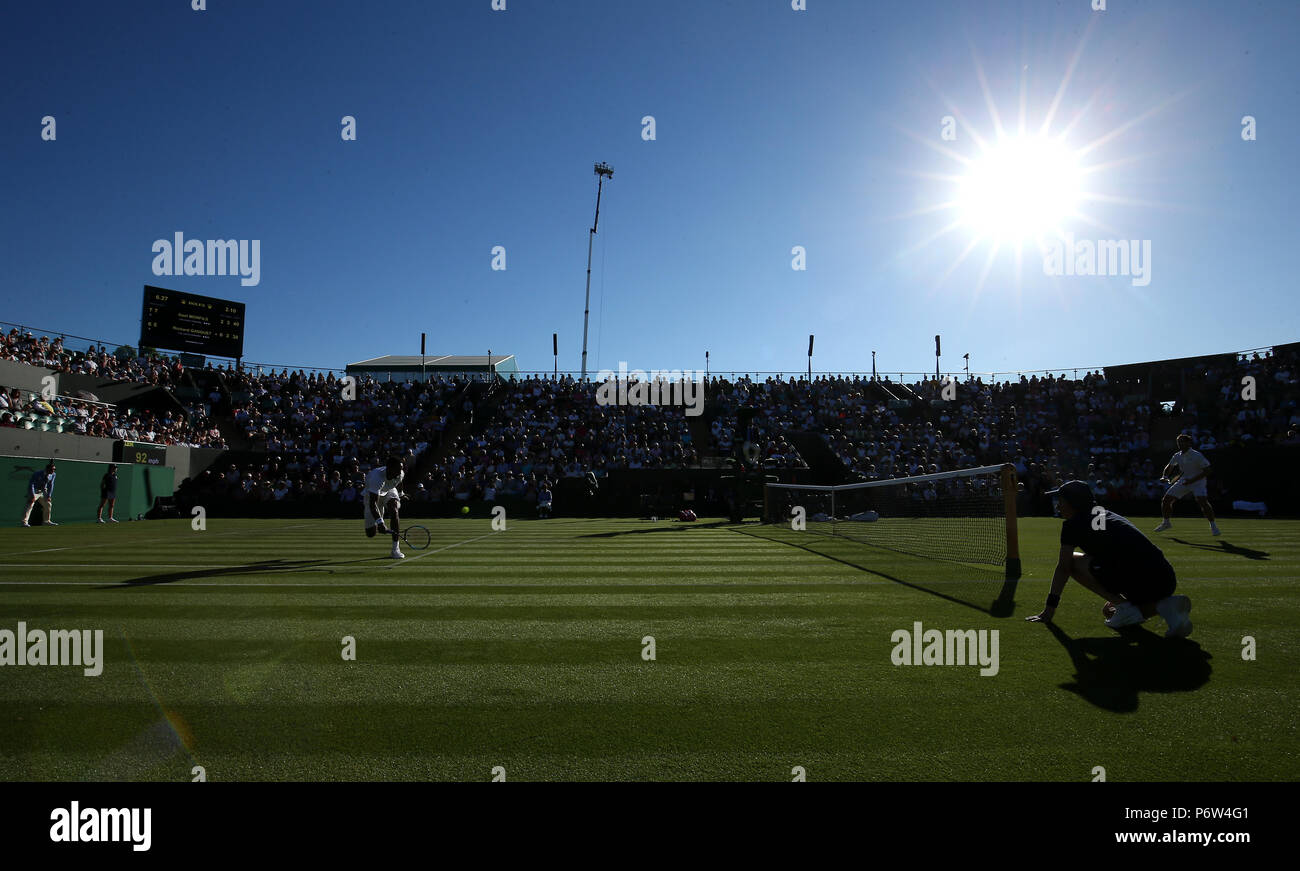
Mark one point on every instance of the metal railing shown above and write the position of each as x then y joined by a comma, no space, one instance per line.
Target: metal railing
889,376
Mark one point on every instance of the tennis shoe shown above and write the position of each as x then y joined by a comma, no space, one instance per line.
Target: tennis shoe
1164,524
1176,610
1126,614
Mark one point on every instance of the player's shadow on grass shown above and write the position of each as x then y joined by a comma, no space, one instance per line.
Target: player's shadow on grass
983,584
264,567
1225,547
1111,672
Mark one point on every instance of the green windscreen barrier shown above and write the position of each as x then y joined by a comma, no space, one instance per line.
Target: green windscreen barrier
76,489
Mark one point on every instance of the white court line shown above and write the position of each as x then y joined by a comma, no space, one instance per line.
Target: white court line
199,566
116,566
502,586
739,585
412,559
148,540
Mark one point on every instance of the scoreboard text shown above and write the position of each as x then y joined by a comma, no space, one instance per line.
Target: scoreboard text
143,453
179,321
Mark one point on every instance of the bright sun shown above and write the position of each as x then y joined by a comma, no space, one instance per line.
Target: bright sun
1018,188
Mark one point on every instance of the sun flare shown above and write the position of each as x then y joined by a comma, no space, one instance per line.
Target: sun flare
1020,187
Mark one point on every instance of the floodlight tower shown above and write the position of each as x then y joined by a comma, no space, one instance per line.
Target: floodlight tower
603,171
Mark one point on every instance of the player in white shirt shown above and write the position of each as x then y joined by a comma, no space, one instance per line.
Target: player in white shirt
1191,466
381,494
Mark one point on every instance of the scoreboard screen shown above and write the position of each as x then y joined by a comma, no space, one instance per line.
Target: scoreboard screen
179,321
139,452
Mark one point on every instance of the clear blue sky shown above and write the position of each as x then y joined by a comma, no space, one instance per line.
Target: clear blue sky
775,128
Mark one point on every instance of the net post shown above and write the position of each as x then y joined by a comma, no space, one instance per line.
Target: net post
1013,537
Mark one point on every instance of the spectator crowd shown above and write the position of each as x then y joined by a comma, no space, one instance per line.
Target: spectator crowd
302,436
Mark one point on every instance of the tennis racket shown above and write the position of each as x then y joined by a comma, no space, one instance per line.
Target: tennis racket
416,537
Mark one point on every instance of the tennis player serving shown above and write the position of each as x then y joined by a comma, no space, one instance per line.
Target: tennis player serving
382,496
1118,563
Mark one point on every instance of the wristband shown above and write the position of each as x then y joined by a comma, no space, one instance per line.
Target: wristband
1053,600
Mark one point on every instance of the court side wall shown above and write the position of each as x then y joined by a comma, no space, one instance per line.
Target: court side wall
76,489
54,445
69,446
25,377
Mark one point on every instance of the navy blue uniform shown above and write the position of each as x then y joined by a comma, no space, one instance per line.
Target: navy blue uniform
1121,558
108,486
42,483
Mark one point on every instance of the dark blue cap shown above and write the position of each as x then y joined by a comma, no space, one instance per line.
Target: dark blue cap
1077,493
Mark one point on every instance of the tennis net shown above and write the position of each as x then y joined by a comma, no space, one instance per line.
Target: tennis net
966,516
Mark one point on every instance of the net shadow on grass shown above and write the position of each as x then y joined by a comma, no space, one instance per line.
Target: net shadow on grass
983,588
1225,547
673,526
1111,672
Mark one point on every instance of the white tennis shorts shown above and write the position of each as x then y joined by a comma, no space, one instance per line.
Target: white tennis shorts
1179,489
383,507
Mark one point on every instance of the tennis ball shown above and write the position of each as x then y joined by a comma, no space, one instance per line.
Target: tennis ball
464,509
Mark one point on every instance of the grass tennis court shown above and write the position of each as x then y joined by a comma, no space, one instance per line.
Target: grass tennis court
523,649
